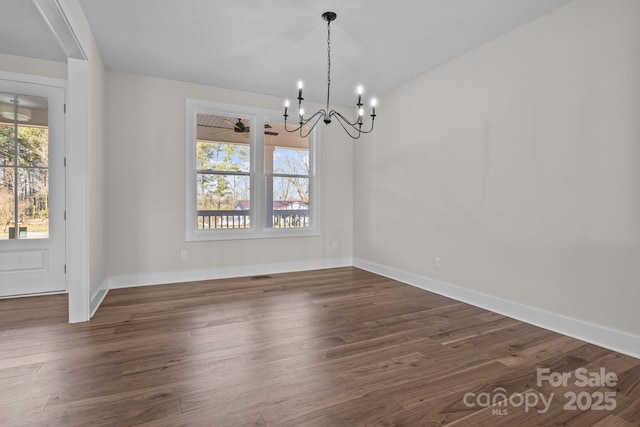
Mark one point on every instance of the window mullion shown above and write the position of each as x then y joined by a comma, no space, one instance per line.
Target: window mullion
220,172
286,175
16,171
258,182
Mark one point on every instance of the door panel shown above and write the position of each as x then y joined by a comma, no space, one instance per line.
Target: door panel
32,232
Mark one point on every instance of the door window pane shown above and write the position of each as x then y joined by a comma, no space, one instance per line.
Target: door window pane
7,146
7,202
24,187
33,202
33,145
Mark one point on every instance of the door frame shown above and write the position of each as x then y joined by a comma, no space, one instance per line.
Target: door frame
77,137
77,230
76,134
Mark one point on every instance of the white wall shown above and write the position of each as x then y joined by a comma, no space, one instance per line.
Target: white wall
97,168
146,192
37,67
518,164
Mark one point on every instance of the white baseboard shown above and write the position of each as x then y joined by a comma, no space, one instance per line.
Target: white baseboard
594,334
132,280
98,297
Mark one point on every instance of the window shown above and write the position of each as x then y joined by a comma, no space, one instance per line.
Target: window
247,184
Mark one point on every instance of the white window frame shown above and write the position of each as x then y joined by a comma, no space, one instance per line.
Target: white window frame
258,228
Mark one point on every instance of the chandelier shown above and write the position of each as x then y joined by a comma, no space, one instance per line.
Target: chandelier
306,125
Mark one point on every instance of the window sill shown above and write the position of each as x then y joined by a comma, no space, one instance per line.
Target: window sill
213,235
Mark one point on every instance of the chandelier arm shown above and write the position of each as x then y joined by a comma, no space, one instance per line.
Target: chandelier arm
348,127
317,116
285,125
371,128
317,113
291,130
304,122
334,113
355,125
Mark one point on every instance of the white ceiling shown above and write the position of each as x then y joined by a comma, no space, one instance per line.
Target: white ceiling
24,33
267,46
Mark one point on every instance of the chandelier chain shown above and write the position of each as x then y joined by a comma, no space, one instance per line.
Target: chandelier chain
328,61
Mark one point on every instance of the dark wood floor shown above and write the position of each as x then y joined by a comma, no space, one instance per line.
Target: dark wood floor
338,347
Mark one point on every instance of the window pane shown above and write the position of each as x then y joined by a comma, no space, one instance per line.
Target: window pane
30,188
7,147
223,143
7,203
291,161
288,202
284,152
223,201
220,156
33,203
33,143
33,133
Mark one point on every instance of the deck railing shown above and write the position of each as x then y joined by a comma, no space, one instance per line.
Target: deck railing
290,218
223,219
229,219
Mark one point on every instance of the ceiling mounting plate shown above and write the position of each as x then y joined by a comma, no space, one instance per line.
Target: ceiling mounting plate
329,16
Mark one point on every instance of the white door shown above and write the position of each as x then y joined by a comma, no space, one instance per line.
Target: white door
32,186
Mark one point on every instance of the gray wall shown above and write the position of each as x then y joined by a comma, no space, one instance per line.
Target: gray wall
146,191
518,164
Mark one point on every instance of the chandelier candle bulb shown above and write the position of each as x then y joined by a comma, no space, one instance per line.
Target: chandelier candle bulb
286,107
300,90
373,107
360,90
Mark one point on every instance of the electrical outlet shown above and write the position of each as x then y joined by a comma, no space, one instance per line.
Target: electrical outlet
436,263
183,255
334,245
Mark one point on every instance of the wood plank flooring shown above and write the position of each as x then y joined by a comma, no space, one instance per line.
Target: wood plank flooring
337,347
